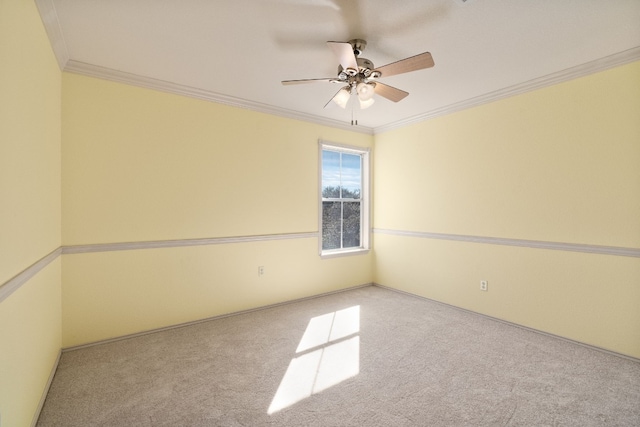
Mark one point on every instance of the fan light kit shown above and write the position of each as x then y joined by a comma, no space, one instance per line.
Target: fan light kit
361,77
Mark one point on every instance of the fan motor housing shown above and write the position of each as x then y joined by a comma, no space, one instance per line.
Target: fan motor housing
364,63
365,67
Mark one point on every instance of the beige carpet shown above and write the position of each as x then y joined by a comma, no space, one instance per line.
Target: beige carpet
365,357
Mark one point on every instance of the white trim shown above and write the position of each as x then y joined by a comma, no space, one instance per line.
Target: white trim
21,278
47,386
319,195
353,149
49,17
344,252
128,246
208,319
536,244
193,92
601,64
17,281
506,322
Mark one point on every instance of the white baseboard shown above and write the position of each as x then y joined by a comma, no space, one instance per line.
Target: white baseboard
590,346
222,316
36,415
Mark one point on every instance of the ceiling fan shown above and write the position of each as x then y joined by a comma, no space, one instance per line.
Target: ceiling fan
361,77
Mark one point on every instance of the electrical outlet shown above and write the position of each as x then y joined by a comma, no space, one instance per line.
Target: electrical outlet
260,270
484,285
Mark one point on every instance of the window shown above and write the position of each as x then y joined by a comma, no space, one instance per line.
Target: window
344,211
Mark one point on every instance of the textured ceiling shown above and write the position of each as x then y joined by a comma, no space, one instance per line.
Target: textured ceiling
240,50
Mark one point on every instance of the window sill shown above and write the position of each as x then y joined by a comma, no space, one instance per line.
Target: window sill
344,252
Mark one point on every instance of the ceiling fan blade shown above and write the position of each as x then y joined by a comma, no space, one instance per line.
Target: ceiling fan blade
390,92
344,52
413,63
297,82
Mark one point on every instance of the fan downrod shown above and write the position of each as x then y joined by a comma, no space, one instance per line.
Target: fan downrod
358,46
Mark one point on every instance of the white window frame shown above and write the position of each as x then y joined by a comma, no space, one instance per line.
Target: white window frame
365,200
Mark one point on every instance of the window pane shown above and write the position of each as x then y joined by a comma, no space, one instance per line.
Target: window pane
343,188
351,225
331,225
330,174
351,176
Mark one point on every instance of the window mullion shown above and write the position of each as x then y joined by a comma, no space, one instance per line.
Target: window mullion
335,199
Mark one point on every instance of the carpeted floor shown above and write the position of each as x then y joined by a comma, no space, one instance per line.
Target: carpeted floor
365,357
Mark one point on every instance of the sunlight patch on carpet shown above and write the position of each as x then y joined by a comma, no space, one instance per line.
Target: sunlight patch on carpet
329,353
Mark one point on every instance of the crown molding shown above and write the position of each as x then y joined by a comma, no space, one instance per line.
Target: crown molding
49,17
51,23
91,70
601,64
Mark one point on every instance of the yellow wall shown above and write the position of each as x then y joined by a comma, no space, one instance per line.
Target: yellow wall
30,337
30,318
135,165
112,294
559,164
29,140
141,165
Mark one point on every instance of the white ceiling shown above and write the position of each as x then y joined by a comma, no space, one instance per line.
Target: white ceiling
238,51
